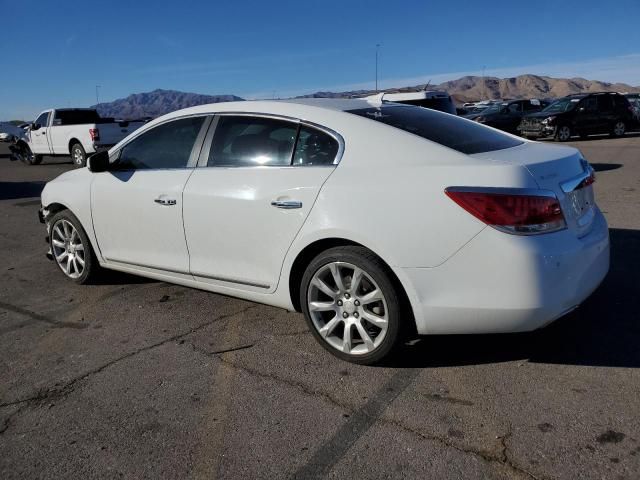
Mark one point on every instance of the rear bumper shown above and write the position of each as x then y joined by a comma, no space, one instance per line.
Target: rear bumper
500,283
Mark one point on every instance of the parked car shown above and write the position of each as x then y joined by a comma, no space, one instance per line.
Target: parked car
434,99
581,114
507,115
10,133
374,219
71,131
634,101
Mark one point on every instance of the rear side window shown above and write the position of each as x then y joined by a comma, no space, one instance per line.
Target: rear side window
605,104
244,141
314,148
447,130
75,117
166,146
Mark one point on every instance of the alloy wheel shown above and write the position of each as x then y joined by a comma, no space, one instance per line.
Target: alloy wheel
348,308
77,156
564,133
67,247
619,129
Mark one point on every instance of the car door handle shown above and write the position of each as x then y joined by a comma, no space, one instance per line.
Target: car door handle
286,204
165,201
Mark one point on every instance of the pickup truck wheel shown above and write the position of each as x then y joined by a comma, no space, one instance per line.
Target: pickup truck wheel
71,249
78,155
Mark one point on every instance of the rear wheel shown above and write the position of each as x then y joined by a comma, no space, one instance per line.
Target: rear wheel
78,155
71,249
563,133
351,304
619,129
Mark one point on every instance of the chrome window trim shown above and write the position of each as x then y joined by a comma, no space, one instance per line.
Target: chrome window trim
204,155
195,150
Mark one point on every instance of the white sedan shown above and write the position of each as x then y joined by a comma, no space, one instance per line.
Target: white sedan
374,219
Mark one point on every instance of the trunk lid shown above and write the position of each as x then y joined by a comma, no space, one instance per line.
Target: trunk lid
560,169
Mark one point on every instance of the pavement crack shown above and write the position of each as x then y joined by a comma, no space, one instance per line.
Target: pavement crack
500,458
39,318
69,387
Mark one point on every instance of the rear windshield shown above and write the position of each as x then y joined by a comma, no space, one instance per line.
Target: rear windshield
443,104
76,117
453,132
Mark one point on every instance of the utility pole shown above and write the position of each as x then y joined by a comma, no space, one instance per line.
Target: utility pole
97,95
377,48
484,84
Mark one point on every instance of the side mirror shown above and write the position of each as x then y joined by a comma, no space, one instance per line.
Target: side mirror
99,162
35,126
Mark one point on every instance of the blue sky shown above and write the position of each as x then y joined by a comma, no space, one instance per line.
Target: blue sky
56,52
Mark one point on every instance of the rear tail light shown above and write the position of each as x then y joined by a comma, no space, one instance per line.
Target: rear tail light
94,133
508,210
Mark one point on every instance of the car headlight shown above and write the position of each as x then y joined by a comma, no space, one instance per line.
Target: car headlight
548,120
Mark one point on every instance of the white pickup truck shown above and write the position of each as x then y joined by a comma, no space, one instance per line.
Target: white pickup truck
72,131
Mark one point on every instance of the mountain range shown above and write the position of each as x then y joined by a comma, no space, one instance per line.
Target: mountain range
156,103
468,88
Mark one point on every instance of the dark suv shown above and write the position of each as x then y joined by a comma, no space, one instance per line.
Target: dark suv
507,115
580,114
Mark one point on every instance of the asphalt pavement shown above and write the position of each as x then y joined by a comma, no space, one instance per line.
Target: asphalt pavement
133,378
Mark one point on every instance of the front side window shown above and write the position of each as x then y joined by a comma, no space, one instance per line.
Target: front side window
604,103
43,120
314,148
166,146
514,108
590,104
244,141
447,130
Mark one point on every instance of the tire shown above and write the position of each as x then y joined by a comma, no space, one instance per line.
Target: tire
618,129
72,252
78,155
347,307
563,133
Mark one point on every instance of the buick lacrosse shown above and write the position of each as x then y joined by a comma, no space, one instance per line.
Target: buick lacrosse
374,219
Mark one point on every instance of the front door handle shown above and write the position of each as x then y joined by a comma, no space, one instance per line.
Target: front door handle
165,201
287,204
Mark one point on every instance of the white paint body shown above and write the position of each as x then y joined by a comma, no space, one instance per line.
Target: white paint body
386,193
54,140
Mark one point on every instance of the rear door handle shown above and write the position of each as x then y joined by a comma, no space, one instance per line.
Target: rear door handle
286,204
165,201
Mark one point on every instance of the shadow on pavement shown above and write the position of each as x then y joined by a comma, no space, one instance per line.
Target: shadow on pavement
15,190
605,167
604,331
113,277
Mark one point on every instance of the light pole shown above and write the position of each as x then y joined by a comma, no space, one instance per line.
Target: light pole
377,48
97,96
484,84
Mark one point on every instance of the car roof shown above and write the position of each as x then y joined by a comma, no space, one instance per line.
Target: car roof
295,107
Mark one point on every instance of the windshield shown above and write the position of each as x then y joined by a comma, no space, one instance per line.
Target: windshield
447,130
562,105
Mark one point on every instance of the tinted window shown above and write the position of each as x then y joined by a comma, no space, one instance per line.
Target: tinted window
243,141
529,105
43,120
166,146
76,117
515,108
453,132
604,103
315,148
590,104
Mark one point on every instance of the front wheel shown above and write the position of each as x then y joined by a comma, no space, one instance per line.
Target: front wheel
563,134
619,129
71,249
351,304
78,155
